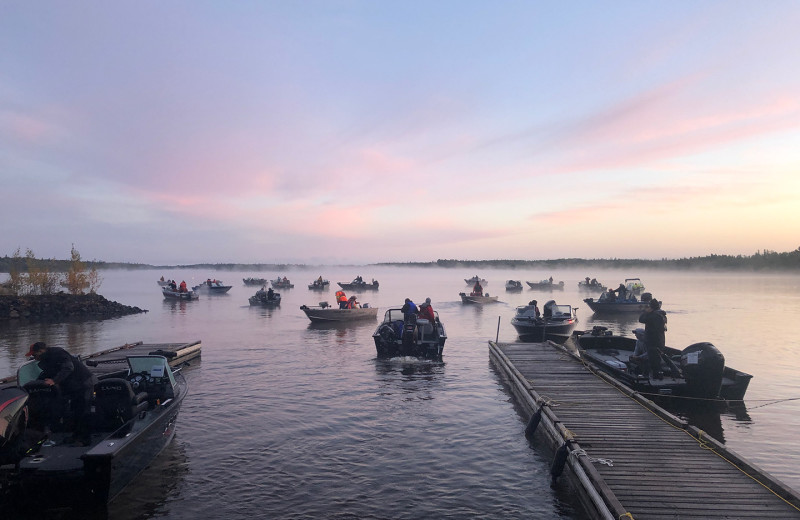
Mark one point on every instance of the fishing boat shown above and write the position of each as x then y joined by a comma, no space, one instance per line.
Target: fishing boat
477,298
135,408
163,283
398,336
609,303
634,286
319,284
260,282
475,279
547,285
281,283
176,294
697,371
591,285
556,322
268,298
212,287
513,285
358,284
324,313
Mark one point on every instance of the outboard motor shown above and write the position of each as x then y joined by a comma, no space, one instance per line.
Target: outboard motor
13,421
702,366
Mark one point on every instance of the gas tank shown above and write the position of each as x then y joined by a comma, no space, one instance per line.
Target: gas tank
702,365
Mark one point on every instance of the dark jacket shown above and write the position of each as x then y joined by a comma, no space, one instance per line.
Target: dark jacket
654,326
67,371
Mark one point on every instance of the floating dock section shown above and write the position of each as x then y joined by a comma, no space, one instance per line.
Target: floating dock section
626,457
109,360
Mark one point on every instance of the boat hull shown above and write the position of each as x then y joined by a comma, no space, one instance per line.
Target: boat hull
546,286
358,286
334,315
89,477
260,282
541,329
177,295
616,306
478,300
256,301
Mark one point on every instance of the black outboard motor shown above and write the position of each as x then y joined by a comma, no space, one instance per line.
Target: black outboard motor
13,420
702,366
646,297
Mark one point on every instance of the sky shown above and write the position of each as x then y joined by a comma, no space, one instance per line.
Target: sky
330,132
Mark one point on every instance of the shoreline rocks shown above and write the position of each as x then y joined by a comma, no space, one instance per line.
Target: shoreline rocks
62,307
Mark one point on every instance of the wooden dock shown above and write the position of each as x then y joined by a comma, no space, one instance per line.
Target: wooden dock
627,457
109,360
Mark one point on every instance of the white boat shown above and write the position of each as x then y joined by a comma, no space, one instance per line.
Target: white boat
324,313
212,287
170,294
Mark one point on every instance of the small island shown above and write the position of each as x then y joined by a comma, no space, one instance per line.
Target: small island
35,292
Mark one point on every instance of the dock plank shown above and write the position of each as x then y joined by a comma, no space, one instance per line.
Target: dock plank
657,467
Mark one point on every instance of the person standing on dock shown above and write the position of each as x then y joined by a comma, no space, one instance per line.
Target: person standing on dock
655,324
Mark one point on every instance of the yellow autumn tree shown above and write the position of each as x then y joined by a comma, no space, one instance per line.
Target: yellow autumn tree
77,280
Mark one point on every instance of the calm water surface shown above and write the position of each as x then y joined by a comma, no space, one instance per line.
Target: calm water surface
286,419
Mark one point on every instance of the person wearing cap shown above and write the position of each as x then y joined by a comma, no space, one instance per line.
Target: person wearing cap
655,324
72,378
534,304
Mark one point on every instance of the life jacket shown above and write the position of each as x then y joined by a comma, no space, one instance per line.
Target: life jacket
340,296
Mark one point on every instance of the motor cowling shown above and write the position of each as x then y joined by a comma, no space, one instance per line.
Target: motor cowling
702,366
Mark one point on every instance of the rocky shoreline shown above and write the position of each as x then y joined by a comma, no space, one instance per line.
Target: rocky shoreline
62,307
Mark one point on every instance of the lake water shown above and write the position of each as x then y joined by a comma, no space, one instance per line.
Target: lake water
290,420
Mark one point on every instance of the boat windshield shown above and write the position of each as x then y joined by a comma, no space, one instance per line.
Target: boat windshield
28,372
156,366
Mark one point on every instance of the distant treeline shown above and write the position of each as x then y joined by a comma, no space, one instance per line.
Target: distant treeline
58,266
761,261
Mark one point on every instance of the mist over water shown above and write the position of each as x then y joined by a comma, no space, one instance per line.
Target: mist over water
286,419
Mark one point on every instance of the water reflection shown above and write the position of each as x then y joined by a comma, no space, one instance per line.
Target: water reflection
413,378
149,491
177,306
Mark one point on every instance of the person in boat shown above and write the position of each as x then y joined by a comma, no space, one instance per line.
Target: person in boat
550,280
639,356
319,280
535,305
183,286
173,285
341,299
426,311
621,292
162,278
477,290
74,381
655,324
270,294
410,311
352,303
593,283
587,280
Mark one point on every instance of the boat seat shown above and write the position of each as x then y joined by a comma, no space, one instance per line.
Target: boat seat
116,403
425,328
45,405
